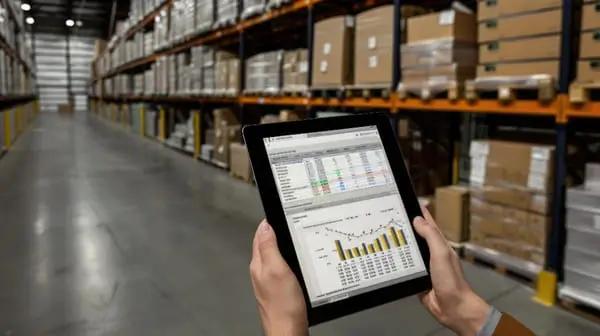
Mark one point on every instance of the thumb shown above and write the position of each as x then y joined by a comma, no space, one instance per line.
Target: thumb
267,245
435,241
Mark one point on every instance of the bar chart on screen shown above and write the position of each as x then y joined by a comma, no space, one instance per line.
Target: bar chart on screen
358,248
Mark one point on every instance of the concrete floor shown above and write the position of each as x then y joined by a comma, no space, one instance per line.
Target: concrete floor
105,233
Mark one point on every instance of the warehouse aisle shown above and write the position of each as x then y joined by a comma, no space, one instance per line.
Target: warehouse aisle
105,233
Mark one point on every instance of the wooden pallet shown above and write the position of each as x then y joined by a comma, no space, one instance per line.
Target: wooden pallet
294,93
368,92
543,90
579,308
328,93
452,90
268,93
520,270
580,93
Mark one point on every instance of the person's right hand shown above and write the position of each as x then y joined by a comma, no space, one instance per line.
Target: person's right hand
451,300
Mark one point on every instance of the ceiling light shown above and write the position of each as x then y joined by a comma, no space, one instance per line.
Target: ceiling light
30,20
26,7
70,23
78,23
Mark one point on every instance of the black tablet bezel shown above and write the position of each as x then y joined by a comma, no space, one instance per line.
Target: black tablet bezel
254,135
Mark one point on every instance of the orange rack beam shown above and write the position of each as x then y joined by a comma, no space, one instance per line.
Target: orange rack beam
585,110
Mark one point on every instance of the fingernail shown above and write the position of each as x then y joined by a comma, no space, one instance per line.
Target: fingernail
264,226
421,220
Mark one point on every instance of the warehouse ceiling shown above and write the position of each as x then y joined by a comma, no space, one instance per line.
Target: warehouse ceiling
95,17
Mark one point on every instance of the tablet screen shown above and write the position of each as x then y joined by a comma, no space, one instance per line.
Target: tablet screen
345,213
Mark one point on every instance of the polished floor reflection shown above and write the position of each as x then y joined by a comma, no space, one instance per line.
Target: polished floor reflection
105,233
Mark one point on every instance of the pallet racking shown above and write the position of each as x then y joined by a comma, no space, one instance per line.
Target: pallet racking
16,111
559,110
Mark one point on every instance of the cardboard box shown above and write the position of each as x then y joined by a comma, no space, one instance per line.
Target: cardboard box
240,162
289,115
501,222
588,70
233,81
590,44
221,75
537,48
374,43
224,117
590,17
447,24
295,69
538,23
332,53
487,9
514,7
518,198
518,69
512,164
451,212
224,136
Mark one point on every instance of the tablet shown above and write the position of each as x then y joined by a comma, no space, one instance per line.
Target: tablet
338,196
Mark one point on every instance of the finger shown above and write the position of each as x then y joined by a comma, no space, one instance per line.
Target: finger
255,244
435,240
267,246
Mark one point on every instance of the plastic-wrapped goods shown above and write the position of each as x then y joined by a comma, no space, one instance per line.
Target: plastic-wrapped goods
161,30
177,21
295,70
233,82
138,85
148,43
222,71
149,82
227,12
208,70
263,72
172,74
276,3
253,7
196,70
162,76
184,76
440,53
189,17
204,15
582,257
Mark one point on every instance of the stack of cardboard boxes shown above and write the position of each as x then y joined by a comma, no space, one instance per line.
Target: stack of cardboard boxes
582,255
227,130
295,70
518,40
374,44
511,186
226,73
440,52
452,212
588,67
332,53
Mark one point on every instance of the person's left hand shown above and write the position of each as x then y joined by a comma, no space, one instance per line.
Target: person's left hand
280,300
